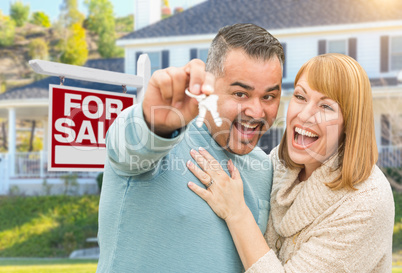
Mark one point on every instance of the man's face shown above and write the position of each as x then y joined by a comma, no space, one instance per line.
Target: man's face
249,96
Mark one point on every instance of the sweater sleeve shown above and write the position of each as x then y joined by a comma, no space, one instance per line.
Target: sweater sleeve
356,237
133,149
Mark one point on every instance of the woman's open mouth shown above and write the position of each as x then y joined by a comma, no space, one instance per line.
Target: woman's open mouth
304,138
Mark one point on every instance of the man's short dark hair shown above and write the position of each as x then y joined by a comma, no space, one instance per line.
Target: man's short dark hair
256,42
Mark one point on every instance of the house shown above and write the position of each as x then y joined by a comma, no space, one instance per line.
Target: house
369,31
29,171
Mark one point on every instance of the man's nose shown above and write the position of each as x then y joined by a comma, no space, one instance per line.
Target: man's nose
254,109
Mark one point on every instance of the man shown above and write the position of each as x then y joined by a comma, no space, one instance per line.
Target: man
149,221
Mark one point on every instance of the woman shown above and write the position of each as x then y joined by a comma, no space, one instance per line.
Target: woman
332,208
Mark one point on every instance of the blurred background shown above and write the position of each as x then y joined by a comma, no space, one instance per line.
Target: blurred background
53,215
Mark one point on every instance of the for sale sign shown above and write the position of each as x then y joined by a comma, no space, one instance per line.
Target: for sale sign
78,121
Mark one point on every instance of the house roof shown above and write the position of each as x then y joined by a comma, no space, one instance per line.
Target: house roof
208,17
40,89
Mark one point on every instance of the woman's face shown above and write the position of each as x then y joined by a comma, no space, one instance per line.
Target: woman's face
314,126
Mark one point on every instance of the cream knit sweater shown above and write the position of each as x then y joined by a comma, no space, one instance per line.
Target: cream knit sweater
312,228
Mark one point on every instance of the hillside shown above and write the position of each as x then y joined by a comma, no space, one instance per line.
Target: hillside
14,68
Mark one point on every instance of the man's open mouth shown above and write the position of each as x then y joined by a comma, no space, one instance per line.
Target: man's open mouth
247,129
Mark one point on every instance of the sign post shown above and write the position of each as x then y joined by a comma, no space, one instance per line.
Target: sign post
79,118
78,121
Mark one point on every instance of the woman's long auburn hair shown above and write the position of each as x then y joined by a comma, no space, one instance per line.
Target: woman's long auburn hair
343,80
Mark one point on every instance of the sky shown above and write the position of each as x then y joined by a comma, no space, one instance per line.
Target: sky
52,7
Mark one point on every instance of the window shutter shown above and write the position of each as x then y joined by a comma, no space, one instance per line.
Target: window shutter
165,59
322,47
352,48
284,64
137,56
193,53
384,54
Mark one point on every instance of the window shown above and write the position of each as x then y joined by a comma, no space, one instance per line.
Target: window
156,62
338,46
396,53
203,54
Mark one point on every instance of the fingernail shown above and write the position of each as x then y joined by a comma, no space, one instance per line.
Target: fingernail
190,184
189,163
201,149
208,89
192,151
196,89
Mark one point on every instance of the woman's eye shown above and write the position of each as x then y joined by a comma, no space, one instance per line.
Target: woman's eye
327,107
299,97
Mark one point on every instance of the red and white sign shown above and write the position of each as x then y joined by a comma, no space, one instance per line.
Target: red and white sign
78,121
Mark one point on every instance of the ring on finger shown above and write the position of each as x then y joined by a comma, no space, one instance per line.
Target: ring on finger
210,183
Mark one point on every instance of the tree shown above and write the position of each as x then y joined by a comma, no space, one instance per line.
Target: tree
19,13
70,14
101,21
38,49
41,19
75,49
7,30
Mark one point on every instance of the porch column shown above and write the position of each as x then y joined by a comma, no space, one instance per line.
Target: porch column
11,140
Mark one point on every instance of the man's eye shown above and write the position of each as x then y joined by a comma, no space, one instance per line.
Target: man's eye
268,97
240,95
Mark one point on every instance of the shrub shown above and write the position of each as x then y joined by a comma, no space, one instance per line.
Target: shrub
397,238
38,49
99,180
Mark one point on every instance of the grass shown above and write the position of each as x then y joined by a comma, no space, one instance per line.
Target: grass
397,238
61,266
46,226
47,266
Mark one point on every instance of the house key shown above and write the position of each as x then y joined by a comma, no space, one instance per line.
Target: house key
206,103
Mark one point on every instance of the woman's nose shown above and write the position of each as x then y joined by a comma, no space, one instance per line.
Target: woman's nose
309,114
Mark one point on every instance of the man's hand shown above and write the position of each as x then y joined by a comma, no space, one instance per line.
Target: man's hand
166,107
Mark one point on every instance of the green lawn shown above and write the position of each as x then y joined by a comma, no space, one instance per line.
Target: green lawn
47,266
21,265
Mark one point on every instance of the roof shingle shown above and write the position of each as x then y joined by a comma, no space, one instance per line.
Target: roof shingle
208,17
